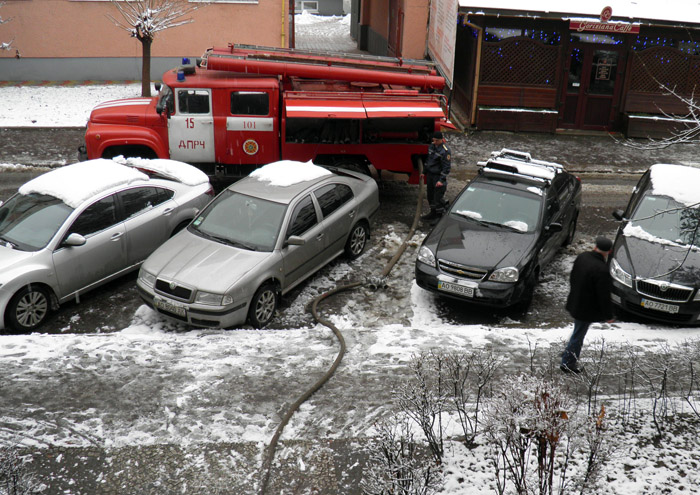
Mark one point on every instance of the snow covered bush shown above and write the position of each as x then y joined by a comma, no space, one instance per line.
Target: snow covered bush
398,465
424,398
14,477
470,376
540,442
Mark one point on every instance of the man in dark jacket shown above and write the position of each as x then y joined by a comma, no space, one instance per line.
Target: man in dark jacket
589,299
436,169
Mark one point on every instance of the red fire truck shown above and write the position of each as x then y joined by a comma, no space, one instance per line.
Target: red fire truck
241,107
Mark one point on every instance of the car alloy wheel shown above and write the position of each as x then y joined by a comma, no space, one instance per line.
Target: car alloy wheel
263,305
28,309
357,241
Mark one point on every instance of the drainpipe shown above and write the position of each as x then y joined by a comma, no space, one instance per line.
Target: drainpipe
284,21
477,72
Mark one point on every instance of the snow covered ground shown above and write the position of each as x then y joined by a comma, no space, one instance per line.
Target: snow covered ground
157,383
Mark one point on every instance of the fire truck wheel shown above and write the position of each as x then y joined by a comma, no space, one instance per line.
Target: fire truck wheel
357,240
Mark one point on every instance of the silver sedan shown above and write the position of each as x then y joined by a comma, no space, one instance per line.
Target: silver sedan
257,240
77,227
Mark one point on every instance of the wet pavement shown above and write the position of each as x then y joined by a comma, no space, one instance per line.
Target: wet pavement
327,458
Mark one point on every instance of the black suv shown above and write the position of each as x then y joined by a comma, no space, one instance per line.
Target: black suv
501,230
656,256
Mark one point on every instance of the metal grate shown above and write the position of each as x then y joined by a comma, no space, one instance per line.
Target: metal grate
520,61
664,291
462,271
664,65
177,291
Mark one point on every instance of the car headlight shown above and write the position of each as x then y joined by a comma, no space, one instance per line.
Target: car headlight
697,296
147,278
617,273
213,299
425,255
507,274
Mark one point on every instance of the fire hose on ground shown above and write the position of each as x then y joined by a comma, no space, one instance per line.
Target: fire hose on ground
373,283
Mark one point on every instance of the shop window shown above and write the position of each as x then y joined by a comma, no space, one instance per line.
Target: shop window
519,61
597,38
689,47
547,37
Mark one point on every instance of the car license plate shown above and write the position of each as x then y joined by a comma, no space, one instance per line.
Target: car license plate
668,308
456,289
174,308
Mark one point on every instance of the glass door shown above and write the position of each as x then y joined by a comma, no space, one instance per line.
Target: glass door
590,97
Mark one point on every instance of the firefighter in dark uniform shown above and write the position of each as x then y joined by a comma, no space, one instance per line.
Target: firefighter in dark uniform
436,169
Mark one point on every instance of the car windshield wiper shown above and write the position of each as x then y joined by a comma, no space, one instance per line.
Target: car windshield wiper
229,242
7,243
478,220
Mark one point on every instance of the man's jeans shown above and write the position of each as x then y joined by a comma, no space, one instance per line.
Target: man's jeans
573,348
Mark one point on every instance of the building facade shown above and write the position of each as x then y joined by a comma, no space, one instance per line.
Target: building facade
76,40
542,70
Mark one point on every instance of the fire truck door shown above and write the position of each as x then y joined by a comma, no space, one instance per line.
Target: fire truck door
251,129
191,127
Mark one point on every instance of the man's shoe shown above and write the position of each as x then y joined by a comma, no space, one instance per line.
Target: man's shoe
571,368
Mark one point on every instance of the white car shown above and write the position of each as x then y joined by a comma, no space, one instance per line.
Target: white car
82,225
257,240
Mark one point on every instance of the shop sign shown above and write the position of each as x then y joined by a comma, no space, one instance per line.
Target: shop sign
604,27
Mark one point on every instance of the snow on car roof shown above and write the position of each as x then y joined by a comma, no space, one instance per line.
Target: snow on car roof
76,183
172,169
679,182
289,172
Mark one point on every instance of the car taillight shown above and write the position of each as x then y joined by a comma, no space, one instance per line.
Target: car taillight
210,191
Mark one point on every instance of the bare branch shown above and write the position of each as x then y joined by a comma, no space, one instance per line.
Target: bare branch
143,19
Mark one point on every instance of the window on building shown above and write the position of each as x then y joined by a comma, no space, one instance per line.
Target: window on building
598,38
688,46
546,36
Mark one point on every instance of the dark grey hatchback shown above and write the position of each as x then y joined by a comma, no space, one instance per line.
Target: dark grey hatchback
500,232
656,256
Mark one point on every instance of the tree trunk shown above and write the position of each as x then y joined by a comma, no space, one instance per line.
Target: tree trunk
146,67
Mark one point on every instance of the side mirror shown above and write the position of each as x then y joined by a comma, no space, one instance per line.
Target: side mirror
553,228
74,239
295,240
618,214
157,86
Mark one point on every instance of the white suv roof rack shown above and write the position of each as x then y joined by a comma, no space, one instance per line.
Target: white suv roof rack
520,164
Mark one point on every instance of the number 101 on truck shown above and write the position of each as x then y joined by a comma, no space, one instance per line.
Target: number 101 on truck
242,107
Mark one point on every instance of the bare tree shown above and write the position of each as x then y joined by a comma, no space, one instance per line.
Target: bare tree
143,19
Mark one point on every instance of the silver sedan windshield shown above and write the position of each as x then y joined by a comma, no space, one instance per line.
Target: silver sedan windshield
28,222
243,221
